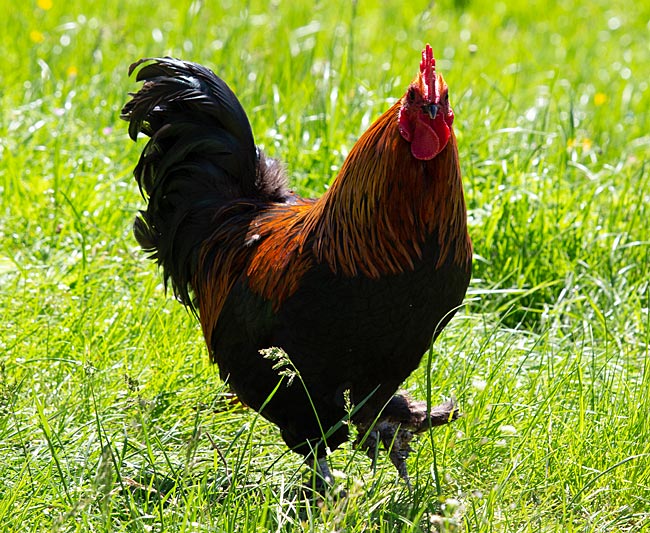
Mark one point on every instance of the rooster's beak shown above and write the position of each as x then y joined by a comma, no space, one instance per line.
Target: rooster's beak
431,110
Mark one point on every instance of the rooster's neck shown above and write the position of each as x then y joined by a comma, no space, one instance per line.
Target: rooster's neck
385,205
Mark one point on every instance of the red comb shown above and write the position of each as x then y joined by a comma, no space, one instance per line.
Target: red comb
428,71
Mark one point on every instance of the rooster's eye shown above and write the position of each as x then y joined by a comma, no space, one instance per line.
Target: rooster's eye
411,95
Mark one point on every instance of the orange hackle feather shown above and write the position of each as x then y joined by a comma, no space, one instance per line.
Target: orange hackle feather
372,221
376,215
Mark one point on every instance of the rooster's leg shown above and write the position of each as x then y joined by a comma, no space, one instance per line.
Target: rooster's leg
323,474
397,441
370,444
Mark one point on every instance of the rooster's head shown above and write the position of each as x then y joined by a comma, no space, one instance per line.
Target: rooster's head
425,116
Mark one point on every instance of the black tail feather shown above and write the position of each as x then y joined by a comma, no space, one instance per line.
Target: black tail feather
200,158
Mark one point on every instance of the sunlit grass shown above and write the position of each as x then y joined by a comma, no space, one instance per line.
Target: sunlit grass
111,416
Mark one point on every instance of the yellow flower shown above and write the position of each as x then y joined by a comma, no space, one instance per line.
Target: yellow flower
44,4
72,71
36,36
584,144
600,99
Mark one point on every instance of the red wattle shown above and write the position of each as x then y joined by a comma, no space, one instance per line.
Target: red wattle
425,144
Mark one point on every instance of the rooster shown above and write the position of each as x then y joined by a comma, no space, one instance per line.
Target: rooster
353,286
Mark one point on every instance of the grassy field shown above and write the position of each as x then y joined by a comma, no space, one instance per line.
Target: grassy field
112,418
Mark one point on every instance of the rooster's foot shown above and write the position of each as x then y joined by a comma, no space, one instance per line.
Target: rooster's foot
396,440
400,421
322,480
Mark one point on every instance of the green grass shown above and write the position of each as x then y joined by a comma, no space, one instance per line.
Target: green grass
111,417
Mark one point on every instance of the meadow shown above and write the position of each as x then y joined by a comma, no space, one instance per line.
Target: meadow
112,417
